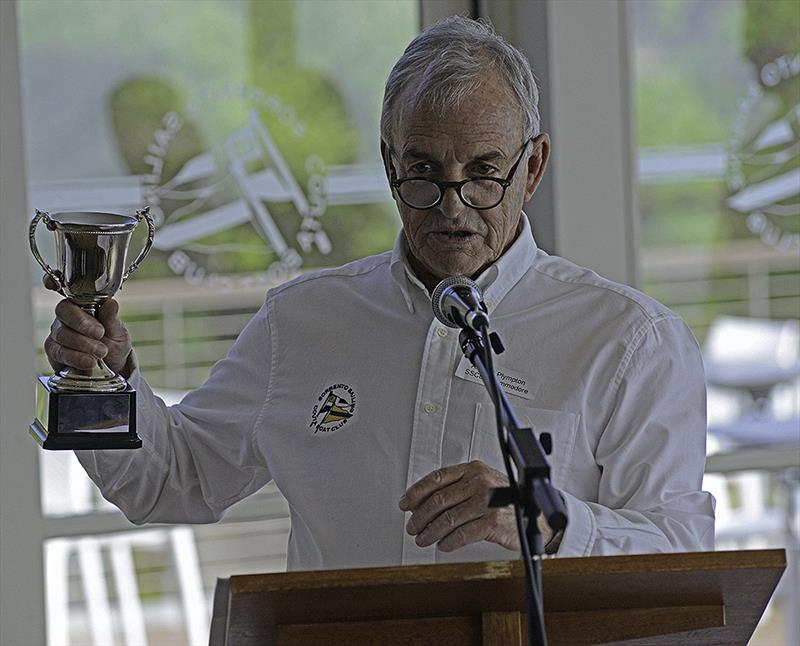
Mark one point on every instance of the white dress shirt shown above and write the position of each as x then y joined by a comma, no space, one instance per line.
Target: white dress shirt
345,390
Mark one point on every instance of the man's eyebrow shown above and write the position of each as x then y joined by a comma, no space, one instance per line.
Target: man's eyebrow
415,153
490,156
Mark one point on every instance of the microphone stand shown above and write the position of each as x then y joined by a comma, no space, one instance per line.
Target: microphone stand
529,490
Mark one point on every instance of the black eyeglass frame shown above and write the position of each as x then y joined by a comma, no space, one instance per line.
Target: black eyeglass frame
457,186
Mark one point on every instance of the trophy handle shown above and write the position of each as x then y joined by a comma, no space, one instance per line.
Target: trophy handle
151,232
53,273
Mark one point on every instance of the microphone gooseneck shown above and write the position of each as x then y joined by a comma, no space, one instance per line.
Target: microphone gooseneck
458,303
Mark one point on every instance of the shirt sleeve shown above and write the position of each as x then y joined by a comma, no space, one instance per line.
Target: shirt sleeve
199,456
651,454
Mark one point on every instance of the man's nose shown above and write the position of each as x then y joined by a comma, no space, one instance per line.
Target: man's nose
451,205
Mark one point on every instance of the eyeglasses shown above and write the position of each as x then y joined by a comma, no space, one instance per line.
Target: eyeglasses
479,193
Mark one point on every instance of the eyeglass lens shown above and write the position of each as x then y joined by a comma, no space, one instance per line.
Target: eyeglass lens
480,193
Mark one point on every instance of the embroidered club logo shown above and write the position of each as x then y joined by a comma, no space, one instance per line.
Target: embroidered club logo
334,408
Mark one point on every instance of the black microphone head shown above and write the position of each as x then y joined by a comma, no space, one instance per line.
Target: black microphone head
436,298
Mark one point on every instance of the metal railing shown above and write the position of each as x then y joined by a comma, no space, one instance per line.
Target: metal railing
738,278
180,330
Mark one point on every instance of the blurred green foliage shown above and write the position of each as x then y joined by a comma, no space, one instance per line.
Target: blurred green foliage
687,215
671,112
772,28
328,132
137,111
688,77
771,32
695,61
300,62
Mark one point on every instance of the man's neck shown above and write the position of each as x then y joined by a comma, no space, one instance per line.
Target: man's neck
425,277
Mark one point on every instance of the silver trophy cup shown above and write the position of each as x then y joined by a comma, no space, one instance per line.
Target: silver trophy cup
93,409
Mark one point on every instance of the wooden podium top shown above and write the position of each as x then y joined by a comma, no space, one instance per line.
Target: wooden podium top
686,598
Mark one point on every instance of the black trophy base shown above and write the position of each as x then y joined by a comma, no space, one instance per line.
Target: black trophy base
74,421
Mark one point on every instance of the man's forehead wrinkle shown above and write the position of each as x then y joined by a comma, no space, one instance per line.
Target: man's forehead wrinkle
484,154
434,141
464,127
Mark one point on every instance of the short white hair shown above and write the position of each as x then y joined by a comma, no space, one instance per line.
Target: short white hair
448,61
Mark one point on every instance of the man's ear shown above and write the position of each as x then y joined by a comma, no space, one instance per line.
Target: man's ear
388,166
537,162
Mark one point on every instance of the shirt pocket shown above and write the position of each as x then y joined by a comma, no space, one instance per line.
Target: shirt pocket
561,425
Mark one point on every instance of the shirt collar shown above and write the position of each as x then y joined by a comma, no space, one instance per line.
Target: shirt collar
496,280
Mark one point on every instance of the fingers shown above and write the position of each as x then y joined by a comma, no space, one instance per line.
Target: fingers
450,506
75,338
73,317
466,534
439,504
114,327
71,340
452,520
496,525
424,487
108,314
66,347
60,356
78,339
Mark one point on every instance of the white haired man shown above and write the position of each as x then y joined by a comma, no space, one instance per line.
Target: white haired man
345,391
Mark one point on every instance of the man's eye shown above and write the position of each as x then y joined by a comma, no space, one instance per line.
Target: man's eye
484,169
421,168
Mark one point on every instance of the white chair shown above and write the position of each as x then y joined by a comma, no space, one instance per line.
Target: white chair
752,367
179,541
752,355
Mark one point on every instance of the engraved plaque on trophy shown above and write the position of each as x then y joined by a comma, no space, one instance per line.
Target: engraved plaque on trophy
88,409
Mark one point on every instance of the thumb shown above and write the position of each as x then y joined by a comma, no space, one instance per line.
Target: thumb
108,315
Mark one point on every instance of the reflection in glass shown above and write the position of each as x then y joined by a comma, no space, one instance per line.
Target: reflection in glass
251,128
718,101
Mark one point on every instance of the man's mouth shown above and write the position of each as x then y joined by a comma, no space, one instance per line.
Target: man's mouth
453,235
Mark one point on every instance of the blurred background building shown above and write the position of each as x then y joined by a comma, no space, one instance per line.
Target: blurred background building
251,128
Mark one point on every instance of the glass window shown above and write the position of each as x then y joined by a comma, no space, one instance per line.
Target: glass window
716,88
250,127
718,105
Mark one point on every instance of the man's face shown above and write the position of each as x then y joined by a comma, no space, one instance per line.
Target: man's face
482,138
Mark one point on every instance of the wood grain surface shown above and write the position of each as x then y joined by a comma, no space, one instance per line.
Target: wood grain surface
713,598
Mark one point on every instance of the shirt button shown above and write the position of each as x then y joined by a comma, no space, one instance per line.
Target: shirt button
442,332
431,408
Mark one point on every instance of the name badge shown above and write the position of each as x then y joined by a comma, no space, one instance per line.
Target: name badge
511,382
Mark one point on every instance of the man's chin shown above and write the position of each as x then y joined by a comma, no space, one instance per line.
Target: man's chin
436,266
442,271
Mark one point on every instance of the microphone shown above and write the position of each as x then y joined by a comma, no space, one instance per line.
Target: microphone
457,302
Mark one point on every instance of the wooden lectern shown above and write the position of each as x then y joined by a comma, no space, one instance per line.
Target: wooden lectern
710,598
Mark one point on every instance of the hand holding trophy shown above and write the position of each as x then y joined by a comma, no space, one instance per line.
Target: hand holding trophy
95,408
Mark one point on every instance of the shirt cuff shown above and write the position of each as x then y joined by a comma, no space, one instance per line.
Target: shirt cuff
131,368
100,463
580,533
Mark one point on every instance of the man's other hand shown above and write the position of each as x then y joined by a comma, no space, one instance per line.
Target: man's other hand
450,507
77,339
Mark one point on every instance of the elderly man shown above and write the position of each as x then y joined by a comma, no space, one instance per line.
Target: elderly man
345,391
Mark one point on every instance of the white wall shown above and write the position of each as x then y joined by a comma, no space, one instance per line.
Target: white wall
593,145
585,209
21,582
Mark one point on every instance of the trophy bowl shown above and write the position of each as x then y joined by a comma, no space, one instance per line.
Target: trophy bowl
91,249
